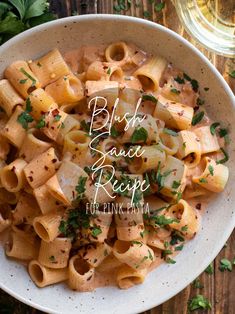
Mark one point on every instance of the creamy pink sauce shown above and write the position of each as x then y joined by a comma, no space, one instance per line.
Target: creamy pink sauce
79,60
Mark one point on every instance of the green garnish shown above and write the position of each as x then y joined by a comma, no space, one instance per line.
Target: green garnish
146,14
213,127
199,302
149,97
57,118
184,228
210,269
81,187
232,73
225,159
202,180
32,79
109,71
170,132
24,119
159,6
41,123
179,80
200,101
193,82
169,260
175,91
198,117
224,133
196,284
52,258
179,248
137,243
175,184
28,105
139,135
211,169
225,264
161,220
114,132
96,231
85,126
23,81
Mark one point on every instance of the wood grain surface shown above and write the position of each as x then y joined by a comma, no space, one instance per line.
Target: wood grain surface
219,287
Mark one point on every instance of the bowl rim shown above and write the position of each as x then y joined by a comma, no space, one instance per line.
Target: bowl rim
227,232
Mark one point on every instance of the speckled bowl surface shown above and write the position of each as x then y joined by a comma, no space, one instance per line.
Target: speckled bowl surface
219,219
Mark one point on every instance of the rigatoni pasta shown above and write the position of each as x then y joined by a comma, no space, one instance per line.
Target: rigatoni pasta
103,156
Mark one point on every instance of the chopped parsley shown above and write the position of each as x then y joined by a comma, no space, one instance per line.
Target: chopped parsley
211,169
162,220
24,119
159,6
23,81
225,159
170,132
175,184
139,135
198,117
203,180
179,247
179,80
57,118
199,302
210,269
114,132
109,71
32,79
169,260
213,127
225,264
150,98
146,14
81,187
176,238
193,82
175,91
232,74
223,133
41,123
184,228
96,231
52,258
200,101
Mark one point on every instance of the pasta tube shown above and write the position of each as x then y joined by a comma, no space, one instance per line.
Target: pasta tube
81,275
67,89
208,142
50,67
189,148
150,73
175,115
128,277
213,177
12,176
41,168
43,276
136,254
22,78
55,254
9,98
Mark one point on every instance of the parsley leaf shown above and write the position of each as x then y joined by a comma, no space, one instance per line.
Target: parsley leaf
199,302
175,91
210,269
213,127
96,231
170,132
225,159
149,97
41,123
179,80
225,264
198,117
196,284
211,169
114,132
139,135
24,119
232,74
175,184
81,187
159,6
161,220
22,70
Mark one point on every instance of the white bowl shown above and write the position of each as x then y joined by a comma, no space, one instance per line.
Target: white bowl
219,219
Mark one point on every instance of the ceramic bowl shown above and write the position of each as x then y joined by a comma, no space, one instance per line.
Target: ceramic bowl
217,222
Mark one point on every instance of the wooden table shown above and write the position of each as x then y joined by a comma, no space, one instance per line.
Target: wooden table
219,287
